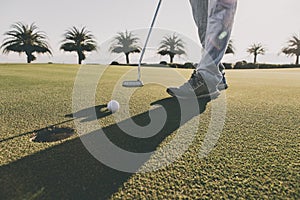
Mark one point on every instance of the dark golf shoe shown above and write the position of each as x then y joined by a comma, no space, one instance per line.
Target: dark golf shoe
194,87
223,85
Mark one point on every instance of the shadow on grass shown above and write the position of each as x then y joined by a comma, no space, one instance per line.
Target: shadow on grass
34,131
100,113
68,171
86,116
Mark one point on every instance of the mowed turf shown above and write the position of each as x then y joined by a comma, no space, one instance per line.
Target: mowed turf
256,156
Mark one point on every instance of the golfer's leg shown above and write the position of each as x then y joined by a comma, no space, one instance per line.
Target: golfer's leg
200,14
219,25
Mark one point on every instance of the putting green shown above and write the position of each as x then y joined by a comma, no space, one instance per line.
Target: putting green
257,154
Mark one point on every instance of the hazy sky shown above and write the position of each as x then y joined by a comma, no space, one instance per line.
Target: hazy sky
270,22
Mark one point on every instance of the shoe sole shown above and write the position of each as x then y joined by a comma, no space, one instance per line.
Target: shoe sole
222,87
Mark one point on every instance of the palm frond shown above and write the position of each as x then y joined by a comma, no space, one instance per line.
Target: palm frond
171,45
89,47
25,38
78,40
125,42
68,46
293,47
256,49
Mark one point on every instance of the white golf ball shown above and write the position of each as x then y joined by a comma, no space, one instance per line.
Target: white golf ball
113,106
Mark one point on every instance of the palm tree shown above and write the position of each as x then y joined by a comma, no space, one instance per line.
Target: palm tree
25,39
256,49
125,42
80,41
230,48
171,45
293,48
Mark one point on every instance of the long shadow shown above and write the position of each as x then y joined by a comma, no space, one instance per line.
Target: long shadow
69,171
99,110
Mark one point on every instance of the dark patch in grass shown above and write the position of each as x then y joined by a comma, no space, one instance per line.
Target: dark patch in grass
35,131
52,134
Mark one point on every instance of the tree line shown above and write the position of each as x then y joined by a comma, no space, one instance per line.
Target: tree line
28,39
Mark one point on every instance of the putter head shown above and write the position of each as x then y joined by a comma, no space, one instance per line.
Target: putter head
137,83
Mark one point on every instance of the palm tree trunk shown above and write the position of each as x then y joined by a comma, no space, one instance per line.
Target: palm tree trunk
297,59
79,58
171,58
255,58
28,57
127,58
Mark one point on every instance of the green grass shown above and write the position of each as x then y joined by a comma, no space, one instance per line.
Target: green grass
257,155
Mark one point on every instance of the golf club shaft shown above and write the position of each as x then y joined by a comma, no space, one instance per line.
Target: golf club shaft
149,33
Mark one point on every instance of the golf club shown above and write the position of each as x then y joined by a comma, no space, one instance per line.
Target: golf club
138,82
